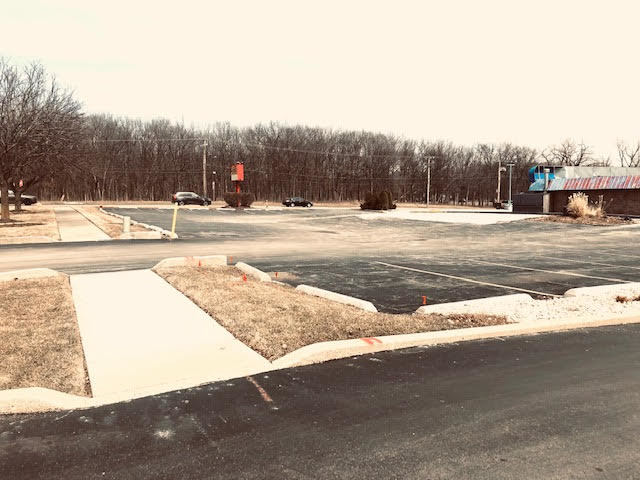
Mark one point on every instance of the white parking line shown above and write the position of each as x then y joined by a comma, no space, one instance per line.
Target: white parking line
593,263
469,280
557,272
621,254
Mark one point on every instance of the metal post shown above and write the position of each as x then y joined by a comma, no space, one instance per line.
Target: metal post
213,186
499,173
510,165
204,168
173,223
428,180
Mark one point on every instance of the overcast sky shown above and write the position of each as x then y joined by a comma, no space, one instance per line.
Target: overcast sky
532,72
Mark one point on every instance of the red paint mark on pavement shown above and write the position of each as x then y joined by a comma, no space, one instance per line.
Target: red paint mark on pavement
263,393
371,340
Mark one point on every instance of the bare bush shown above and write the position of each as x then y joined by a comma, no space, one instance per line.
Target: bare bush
578,207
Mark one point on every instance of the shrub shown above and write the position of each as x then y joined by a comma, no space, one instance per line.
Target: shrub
370,202
390,200
242,199
578,207
381,201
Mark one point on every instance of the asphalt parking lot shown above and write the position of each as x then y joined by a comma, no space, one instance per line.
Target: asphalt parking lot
399,264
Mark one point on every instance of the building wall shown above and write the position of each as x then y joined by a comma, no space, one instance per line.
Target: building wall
620,202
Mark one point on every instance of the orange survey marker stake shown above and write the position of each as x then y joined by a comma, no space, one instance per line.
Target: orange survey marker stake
424,299
276,274
244,277
230,259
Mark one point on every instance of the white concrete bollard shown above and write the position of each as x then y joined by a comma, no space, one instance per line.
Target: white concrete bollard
126,224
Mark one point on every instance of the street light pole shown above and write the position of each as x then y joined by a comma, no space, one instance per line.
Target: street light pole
204,168
510,164
428,179
213,186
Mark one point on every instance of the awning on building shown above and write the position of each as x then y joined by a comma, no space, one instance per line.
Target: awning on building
628,182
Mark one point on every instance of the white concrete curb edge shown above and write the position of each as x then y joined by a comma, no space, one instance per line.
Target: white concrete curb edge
323,351
483,305
162,231
28,273
38,399
209,260
614,289
337,297
253,272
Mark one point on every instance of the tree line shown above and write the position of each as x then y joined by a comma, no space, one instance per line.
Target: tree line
50,148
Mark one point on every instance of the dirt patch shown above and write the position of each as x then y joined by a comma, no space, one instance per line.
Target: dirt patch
624,299
110,225
598,221
281,276
41,345
34,224
276,319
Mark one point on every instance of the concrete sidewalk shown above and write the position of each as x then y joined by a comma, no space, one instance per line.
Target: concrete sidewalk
74,227
141,336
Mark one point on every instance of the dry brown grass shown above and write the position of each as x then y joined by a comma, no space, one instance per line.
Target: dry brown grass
41,345
578,207
275,319
599,221
110,225
623,299
33,224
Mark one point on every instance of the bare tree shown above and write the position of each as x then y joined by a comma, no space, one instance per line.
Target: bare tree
569,153
629,154
39,123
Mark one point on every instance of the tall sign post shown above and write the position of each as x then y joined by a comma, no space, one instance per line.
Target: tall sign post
237,175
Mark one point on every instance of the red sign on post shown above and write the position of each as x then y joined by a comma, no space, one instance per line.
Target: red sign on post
237,172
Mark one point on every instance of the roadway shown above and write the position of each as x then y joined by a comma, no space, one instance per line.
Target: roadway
561,405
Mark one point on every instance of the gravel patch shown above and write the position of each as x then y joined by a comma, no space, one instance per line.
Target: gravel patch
600,303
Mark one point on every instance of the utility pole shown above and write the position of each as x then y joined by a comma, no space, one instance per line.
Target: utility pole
498,189
204,168
213,186
428,178
510,165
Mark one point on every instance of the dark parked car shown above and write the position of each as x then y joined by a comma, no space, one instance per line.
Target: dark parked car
190,198
296,202
26,199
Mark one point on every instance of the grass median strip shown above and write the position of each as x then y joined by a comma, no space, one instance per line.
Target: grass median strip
276,319
41,345
110,225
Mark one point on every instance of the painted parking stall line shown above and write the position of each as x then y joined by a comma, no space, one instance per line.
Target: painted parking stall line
594,263
555,272
469,280
626,255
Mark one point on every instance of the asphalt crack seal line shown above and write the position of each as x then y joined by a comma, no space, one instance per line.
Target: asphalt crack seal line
535,292
263,393
556,272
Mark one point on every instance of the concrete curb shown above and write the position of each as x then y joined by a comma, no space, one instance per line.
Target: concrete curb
162,231
28,273
337,297
615,289
38,399
253,272
90,220
209,260
323,351
483,305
